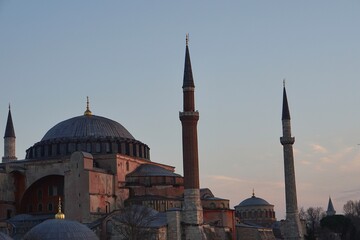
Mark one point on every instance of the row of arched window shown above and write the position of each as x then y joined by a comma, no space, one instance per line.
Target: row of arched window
256,214
136,149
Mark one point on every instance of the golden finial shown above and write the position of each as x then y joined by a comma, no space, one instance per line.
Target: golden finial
59,215
253,193
87,112
187,39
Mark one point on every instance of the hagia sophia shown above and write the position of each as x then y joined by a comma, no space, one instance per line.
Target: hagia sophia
81,178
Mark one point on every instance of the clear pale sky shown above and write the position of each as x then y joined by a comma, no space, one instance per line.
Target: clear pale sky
128,57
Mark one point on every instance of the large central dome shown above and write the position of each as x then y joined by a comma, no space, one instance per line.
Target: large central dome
87,126
88,133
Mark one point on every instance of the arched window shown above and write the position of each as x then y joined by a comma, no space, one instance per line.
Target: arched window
212,205
39,194
50,207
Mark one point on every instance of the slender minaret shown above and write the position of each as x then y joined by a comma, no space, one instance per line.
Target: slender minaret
293,229
193,213
330,209
9,140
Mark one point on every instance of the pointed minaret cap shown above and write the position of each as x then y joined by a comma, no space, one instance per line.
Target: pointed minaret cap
59,215
330,210
9,130
285,108
188,76
87,111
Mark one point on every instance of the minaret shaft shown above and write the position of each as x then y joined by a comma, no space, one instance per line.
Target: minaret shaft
190,149
192,215
293,229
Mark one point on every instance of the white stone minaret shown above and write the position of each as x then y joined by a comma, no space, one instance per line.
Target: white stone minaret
192,217
293,229
9,140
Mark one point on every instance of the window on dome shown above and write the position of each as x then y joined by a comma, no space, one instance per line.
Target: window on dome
58,149
127,149
98,147
49,150
107,146
88,147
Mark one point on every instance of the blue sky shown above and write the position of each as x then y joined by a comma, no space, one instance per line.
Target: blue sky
128,57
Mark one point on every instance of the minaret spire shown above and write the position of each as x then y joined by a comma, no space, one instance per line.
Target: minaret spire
9,140
188,76
193,213
285,108
293,229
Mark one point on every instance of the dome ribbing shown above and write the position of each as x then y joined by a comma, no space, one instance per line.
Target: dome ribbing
87,126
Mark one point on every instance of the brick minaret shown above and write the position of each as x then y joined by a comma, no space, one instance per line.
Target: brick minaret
9,140
193,213
293,229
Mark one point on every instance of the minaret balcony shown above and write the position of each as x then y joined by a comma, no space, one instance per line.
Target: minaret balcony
287,140
194,113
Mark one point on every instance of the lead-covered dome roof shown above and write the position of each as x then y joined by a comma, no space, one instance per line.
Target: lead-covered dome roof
88,133
54,229
253,201
87,126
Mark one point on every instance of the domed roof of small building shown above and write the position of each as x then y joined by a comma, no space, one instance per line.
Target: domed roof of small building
87,126
54,229
253,201
147,170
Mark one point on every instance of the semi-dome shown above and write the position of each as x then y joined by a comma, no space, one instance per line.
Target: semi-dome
87,126
149,170
60,229
88,133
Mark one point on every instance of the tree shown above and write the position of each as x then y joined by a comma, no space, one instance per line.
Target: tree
312,217
134,222
352,208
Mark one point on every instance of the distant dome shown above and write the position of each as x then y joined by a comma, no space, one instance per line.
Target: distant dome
253,201
87,126
54,229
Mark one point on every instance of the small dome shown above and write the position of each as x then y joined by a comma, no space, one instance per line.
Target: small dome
254,201
60,229
87,126
3,236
